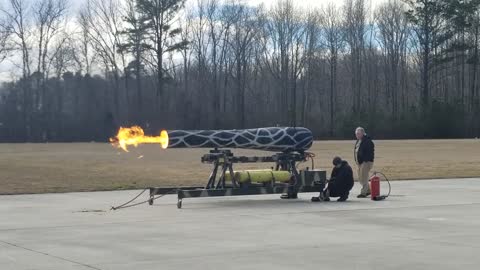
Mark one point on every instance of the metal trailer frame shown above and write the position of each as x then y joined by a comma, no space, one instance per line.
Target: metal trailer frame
301,181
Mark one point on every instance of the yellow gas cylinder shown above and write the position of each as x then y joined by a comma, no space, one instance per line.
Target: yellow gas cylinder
259,176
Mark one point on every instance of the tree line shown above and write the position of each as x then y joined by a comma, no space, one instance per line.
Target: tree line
402,69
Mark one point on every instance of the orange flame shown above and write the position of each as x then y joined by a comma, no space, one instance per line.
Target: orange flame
135,136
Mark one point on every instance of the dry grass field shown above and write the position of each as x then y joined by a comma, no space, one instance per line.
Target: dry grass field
42,168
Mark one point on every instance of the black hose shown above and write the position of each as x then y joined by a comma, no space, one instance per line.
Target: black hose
125,205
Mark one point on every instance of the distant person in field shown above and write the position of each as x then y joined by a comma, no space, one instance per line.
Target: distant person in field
364,157
340,183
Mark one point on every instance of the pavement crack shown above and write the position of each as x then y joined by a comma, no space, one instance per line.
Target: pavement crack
50,255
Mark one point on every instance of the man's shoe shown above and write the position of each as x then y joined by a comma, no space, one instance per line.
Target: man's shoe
289,196
362,196
321,198
324,196
343,198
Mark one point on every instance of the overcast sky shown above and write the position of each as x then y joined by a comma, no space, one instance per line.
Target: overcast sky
7,68
310,3
304,3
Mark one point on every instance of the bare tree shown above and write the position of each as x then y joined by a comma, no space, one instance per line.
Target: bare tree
243,25
17,15
48,16
312,41
61,62
199,46
393,31
85,54
335,43
186,53
371,61
425,16
284,56
102,20
214,34
5,33
229,15
63,55
200,35
355,19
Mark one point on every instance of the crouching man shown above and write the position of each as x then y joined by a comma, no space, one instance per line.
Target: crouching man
340,183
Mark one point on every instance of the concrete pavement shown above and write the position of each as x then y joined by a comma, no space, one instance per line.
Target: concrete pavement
424,225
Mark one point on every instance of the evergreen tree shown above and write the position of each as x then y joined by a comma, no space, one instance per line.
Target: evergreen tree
158,18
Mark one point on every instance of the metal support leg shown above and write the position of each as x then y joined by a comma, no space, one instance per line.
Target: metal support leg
292,189
230,169
221,180
150,201
285,165
180,196
179,204
213,176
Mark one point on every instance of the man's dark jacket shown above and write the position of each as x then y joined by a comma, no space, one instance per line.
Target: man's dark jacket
341,180
366,152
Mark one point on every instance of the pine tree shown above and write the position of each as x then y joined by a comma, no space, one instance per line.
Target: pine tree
136,44
158,17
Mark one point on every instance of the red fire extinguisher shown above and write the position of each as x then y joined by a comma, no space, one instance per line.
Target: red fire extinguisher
374,186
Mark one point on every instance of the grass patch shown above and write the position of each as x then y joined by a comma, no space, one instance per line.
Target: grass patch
46,168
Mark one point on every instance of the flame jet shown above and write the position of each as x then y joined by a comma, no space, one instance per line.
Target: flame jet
278,139
135,136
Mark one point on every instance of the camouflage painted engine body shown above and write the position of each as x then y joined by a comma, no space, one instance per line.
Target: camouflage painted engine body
278,139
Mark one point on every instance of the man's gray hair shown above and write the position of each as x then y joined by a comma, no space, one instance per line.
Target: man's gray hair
360,129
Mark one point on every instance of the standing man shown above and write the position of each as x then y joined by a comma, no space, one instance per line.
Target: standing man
364,157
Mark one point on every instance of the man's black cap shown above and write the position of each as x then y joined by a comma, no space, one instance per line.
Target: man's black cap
337,160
